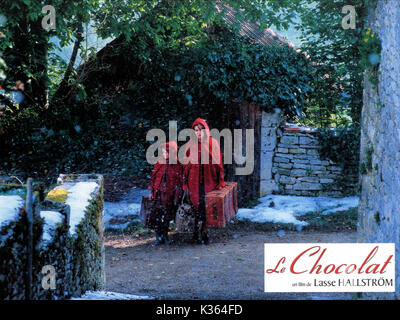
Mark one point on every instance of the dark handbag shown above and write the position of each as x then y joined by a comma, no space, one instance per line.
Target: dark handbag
148,212
185,217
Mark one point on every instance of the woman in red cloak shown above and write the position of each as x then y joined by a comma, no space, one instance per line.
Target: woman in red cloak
166,190
204,176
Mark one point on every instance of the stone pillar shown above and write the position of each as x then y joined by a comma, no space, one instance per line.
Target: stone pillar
379,210
269,125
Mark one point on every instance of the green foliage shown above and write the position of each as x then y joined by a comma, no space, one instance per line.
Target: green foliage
271,77
12,189
337,95
3,67
33,54
370,51
342,146
72,129
366,166
226,69
342,220
108,134
176,23
26,45
177,73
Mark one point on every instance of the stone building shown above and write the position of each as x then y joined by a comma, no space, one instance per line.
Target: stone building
279,166
114,71
379,210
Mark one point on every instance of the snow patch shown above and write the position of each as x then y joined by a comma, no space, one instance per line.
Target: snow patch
300,128
9,208
51,218
268,215
106,295
118,215
114,210
78,199
283,209
120,226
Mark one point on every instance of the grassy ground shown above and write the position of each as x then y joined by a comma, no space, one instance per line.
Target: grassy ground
12,189
337,221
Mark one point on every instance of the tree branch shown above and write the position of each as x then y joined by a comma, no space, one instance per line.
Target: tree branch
64,83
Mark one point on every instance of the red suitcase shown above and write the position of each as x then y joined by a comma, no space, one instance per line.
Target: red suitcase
221,205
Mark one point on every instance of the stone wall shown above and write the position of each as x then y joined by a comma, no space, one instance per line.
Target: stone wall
269,126
76,253
379,210
297,168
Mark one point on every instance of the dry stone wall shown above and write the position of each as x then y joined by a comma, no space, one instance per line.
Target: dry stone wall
78,257
298,169
379,210
269,131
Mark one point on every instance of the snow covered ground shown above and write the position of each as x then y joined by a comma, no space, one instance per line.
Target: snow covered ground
119,212
273,208
117,215
284,209
9,206
104,295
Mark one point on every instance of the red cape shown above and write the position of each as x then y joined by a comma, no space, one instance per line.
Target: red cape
174,177
213,172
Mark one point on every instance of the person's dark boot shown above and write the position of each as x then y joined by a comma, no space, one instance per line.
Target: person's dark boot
159,240
205,237
167,240
195,238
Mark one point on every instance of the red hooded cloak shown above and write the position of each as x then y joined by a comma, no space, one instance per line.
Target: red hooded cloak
169,189
213,171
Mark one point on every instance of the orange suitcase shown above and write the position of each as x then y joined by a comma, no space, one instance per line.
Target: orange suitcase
221,205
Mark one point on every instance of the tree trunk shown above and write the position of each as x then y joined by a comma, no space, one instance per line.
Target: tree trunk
379,211
64,89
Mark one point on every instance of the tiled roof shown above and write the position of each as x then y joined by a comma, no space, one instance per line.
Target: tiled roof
252,30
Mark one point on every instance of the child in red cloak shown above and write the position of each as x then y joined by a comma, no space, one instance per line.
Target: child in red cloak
200,178
166,190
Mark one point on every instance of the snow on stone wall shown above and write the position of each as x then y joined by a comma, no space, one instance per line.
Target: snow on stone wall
68,236
9,208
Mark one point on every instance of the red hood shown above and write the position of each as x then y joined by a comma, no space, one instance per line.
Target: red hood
201,121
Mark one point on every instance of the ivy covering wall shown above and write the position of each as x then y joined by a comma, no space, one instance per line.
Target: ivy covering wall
102,126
